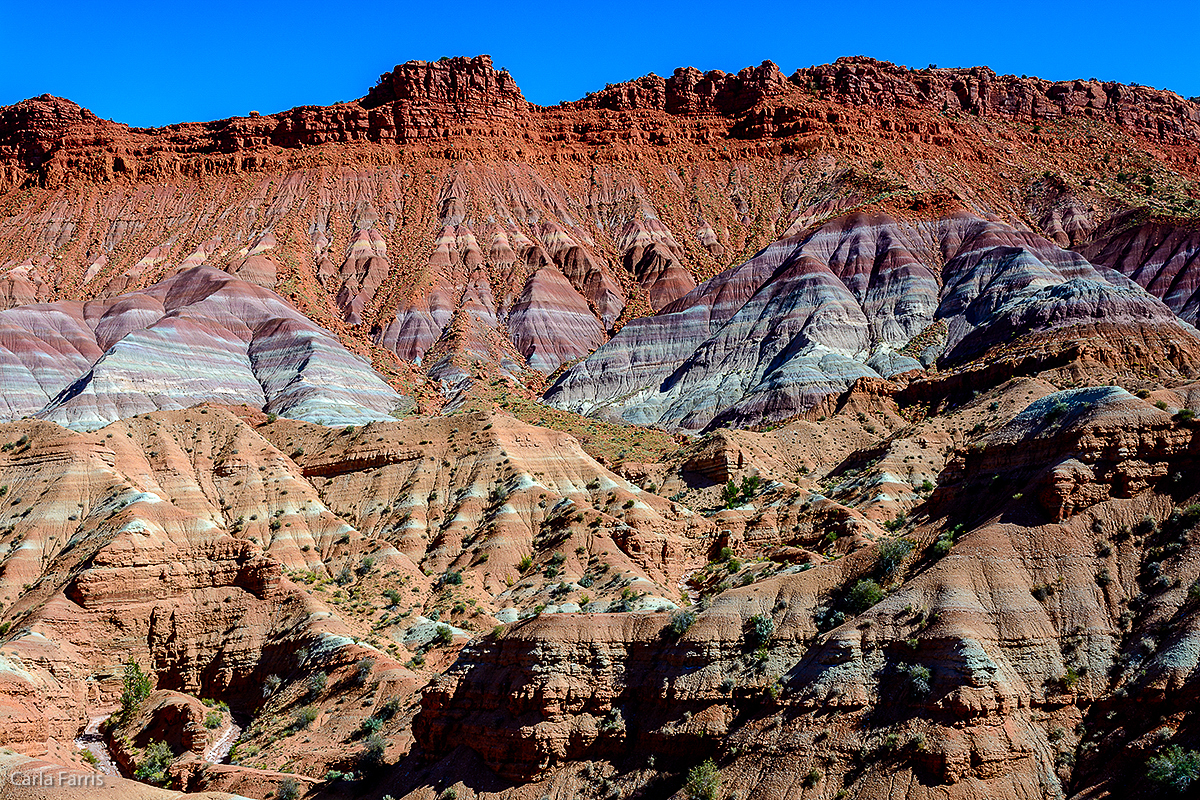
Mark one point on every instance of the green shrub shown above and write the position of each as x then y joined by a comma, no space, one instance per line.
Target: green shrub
374,748
1175,769
316,684
679,624
703,782
453,578
943,545
758,631
362,670
304,717
288,789
863,595
213,720
156,759
918,677
525,563
443,635
892,554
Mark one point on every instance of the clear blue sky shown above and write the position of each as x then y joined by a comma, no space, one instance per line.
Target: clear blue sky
156,63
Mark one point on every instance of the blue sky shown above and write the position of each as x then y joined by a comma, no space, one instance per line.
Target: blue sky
157,63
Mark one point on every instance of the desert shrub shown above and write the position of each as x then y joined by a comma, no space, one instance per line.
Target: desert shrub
362,670
213,719
1057,409
271,685
443,635
1175,769
389,708
371,757
863,595
703,781
917,676
156,759
288,789
453,578
525,563
827,619
892,554
303,717
316,684
758,631
679,624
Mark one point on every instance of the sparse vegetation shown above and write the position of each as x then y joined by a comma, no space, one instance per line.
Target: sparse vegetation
703,782
1176,769
155,761
864,594
759,631
680,622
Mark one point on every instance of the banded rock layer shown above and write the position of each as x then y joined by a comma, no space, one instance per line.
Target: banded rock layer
864,296
198,336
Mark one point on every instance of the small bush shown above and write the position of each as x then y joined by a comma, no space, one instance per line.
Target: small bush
444,635
525,563
362,671
156,759
271,685
812,778
703,782
758,631
374,748
918,676
304,717
213,720
1175,769
316,684
453,578
863,595
943,545
288,789
892,554
135,688
679,624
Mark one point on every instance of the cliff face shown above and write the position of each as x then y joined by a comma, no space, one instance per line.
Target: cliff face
446,227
